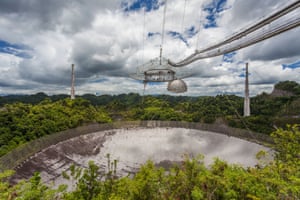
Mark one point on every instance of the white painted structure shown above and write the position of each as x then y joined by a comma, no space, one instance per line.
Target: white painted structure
247,98
73,83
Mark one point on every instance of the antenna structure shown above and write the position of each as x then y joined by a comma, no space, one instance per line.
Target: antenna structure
247,98
73,83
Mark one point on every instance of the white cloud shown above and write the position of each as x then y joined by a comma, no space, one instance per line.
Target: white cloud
107,43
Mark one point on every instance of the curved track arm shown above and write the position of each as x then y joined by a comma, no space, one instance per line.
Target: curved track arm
199,54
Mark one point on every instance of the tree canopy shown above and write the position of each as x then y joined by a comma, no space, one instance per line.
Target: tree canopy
21,122
290,86
26,118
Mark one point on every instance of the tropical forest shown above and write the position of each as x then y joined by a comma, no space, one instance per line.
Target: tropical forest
25,118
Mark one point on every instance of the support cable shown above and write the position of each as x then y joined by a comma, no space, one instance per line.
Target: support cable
258,25
248,40
284,26
144,27
143,98
163,31
143,56
199,27
241,118
183,16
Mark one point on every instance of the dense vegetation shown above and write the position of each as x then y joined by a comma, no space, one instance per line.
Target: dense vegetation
25,118
191,180
290,86
20,123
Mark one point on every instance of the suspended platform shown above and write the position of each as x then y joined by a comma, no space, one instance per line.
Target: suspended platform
159,70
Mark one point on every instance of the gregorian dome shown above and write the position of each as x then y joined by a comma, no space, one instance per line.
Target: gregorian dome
177,86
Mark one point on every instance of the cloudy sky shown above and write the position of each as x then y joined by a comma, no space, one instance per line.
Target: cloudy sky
108,40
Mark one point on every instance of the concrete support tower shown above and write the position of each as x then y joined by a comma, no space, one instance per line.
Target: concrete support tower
247,98
73,83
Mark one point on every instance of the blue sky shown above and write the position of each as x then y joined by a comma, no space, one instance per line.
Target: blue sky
229,57
291,65
18,50
148,5
214,9
179,36
108,40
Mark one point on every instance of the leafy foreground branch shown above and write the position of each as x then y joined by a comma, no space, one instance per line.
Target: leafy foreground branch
279,179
